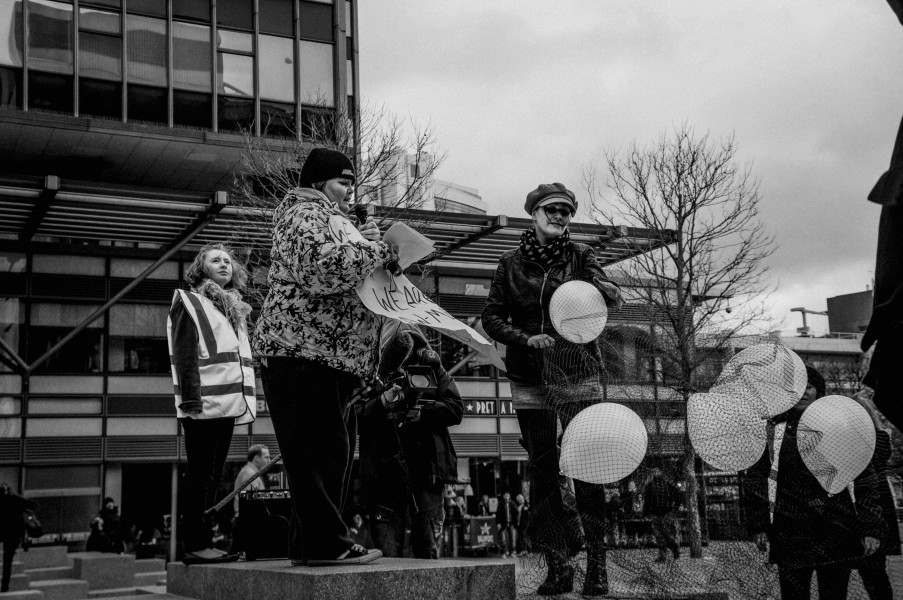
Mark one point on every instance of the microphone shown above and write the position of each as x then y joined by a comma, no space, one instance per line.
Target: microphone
395,354
361,213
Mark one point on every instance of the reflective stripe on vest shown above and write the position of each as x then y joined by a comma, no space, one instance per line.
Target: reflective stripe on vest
224,363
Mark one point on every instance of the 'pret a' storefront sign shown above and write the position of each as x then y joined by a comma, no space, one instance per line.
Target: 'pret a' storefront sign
488,408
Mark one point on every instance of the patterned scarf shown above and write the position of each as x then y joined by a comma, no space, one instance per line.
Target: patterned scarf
544,255
229,302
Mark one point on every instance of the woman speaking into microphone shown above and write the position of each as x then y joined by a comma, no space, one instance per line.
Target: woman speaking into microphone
317,342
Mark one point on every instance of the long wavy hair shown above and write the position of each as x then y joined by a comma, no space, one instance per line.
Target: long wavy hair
197,272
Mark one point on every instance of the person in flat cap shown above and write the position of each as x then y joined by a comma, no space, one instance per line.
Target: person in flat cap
544,390
803,528
316,342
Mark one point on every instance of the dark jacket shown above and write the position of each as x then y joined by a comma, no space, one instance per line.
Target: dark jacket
427,448
518,306
810,526
12,527
506,513
890,544
660,497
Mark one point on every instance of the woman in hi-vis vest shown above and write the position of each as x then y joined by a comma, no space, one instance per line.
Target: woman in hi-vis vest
214,384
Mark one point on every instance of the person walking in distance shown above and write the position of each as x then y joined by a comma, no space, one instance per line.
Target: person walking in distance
12,528
258,457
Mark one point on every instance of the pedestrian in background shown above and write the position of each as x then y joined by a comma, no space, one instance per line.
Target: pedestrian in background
214,382
12,528
661,499
317,344
258,457
516,314
506,520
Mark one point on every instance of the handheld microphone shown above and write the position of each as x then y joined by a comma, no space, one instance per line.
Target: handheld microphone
361,213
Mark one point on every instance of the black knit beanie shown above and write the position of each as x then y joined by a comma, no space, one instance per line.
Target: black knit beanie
323,164
816,381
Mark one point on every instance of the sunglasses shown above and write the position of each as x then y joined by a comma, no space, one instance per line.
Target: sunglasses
559,209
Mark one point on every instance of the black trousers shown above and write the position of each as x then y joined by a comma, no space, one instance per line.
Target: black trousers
796,584
206,447
316,432
873,571
391,511
553,527
9,550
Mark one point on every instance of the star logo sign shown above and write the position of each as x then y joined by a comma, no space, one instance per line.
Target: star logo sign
485,529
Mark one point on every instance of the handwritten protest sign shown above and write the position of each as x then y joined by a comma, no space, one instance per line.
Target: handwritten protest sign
398,298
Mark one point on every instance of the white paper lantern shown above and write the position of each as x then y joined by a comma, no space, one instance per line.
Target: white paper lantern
770,377
725,431
836,440
603,443
578,311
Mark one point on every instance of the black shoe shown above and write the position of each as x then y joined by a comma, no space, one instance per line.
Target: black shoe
596,581
560,579
208,556
356,555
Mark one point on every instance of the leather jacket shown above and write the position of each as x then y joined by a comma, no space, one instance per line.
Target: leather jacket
517,307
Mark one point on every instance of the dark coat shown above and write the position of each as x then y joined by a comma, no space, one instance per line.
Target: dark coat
506,513
660,497
12,527
810,526
427,447
890,544
517,307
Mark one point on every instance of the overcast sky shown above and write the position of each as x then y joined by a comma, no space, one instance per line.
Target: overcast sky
526,91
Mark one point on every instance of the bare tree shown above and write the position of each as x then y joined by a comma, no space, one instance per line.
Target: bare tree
691,185
395,162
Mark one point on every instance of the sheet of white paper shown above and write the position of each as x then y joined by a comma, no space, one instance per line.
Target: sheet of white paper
398,298
410,245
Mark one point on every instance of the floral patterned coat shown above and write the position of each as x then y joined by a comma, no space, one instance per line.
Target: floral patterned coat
312,311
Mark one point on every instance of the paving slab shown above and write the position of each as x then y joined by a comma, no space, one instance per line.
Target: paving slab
103,570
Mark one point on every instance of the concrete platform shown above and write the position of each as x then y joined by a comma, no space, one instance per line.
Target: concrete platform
24,595
19,581
62,589
103,570
37,557
384,579
45,573
149,578
112,593
146,565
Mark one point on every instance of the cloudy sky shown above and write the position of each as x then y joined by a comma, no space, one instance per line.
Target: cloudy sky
527,91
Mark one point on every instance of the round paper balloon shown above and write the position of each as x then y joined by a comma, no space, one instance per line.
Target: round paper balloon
836,440
769,376
603,444
725,431
578,311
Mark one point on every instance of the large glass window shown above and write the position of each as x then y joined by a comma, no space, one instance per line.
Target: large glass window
191,57
146,50
50,322
50,36
50,92
238,14
275,16
191,9
155,8
235,75
12,320
192,109
62,264
11,32
277,69
316,21
316,74
138,339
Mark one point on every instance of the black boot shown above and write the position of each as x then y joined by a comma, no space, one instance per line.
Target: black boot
596,581
560,579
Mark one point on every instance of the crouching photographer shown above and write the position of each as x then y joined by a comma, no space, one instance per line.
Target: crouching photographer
405,451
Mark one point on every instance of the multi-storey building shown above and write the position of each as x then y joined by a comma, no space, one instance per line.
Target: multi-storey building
122,125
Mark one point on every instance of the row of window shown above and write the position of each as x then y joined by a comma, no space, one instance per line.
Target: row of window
140,65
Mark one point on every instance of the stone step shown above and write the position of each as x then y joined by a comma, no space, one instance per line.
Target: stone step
383,579
19,581
104,571
37,557
23,595
151,589
112,593
62,589
145,579
46,573
146,565
147,596
18,567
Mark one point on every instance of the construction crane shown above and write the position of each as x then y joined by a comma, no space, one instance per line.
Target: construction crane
804,330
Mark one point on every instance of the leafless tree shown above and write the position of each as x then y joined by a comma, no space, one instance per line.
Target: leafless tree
396,161
703,285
